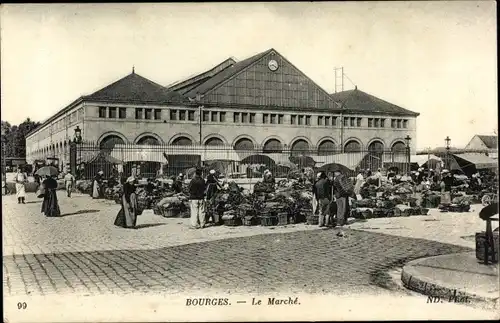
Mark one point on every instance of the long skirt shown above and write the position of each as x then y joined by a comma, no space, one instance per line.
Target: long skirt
127,216
20,190
95,190
343,210
50,206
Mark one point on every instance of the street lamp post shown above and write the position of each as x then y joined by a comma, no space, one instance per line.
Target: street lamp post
74,149
447,141
408,140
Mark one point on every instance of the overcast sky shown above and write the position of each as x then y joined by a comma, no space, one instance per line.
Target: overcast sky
438,59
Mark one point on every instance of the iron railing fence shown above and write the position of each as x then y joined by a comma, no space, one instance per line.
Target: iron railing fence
169,160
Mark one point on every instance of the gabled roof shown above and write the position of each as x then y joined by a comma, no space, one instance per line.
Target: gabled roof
135,88
188,84
225,75
359,101
489,141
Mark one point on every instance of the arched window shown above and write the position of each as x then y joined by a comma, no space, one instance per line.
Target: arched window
110,141
300,147
376,147
214,142
352,146
326,147
399,147
148,140
182,141
243,144
272,146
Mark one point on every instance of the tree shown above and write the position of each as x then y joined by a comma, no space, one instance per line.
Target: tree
14,137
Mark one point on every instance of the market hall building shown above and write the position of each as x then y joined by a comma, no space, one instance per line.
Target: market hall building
263,102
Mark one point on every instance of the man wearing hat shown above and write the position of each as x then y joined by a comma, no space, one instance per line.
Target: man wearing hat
69,182
343,189
196,199
446,184
213,186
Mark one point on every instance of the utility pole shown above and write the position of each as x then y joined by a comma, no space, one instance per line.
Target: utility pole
339,79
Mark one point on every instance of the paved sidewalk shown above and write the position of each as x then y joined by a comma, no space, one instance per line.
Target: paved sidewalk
458,278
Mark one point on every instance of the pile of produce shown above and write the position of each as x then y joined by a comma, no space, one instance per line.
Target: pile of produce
84,186
458,204
172,205
262,187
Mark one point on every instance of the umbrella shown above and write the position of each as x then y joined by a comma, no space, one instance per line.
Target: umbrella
47,171
258,159
332,167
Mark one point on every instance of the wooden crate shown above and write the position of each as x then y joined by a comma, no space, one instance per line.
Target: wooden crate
268,220
313,220
250,220
283,218
480,238
233,222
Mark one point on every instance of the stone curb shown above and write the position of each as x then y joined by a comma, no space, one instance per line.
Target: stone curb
445,293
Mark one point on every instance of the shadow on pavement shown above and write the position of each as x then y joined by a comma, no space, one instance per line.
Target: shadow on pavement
80,212
33,202
148,225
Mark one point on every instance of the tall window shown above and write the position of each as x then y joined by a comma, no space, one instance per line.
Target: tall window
352,122
320,120
244,117
222,116
399,123
370,122
405,123
293,119
393,123
122,113
252,117
382,123
191,115
308,120
157,114
214,116
112,113
148,114
280,119
273,118
377,123
265,118
182,115
346,122
138,113
334,121
358,120
102,112
301,120
206,116
327,121
236,117
173,114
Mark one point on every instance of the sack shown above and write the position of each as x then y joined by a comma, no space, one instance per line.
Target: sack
40,192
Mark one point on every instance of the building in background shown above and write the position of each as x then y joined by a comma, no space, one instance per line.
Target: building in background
263,102
488,144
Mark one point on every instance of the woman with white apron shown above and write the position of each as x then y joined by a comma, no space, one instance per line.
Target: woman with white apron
21,179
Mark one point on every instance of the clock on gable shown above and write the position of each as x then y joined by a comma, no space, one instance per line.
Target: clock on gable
273,65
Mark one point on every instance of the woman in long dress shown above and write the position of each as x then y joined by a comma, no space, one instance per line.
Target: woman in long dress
21,179
96,191
359,183
127,216
50,206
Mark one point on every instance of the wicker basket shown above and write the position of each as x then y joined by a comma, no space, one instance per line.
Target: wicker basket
170,213
424,211
283,218
268,220
234,222
250,221
313,220
396,212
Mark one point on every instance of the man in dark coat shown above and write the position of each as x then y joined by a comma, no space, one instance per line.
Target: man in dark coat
196,199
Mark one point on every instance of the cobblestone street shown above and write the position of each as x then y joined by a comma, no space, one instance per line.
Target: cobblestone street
83,253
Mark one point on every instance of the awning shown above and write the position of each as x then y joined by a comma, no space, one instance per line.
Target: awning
481,161
89,158
349,160
422,159
209,154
